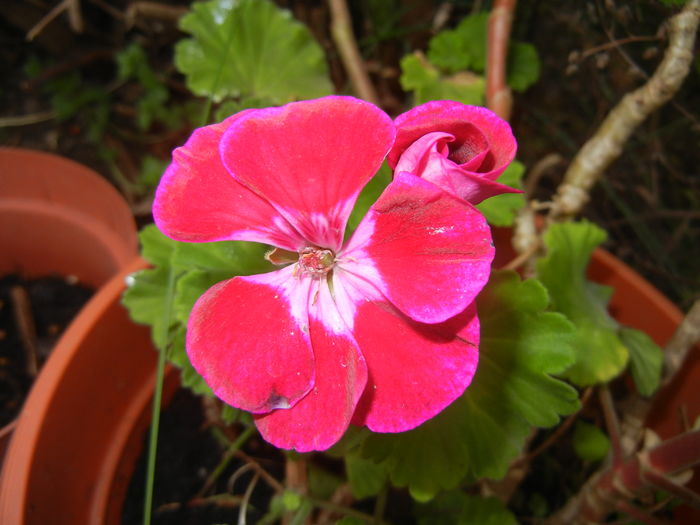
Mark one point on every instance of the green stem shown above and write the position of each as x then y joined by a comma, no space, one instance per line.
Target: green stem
340,509
226,460
157,399
380,504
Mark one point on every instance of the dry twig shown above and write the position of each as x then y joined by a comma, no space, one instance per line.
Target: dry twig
24,319
341,29
607,143
72,7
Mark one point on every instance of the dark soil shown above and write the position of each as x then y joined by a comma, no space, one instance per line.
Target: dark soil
33,314
187,454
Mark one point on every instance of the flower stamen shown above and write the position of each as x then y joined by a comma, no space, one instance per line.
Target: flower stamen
316,262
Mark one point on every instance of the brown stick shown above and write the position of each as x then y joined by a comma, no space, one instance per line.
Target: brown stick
24,319
607,143
685,337
341,29
498,95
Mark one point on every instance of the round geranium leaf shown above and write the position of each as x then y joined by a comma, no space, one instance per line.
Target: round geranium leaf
250,48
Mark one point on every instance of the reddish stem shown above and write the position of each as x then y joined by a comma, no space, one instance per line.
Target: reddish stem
633,476
498,96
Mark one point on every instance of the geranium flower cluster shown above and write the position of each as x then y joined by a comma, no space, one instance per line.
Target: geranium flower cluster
380,330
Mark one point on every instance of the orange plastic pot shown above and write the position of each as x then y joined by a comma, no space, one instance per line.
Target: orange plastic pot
80,432
59,217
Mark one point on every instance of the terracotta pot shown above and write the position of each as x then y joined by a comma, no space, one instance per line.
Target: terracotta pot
80,432
59,217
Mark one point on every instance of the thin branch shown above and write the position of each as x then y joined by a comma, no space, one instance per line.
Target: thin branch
24,320
685,337
612,423
498,95
26,120
607,143
296,474
246,499
638,514
264,474
613,44
72,7
341,29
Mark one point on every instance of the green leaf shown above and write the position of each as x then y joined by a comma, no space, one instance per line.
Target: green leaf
350,520
646,360
426,82
322,482
291,500
464,48
250,48
177,355
231,107
152,169
523,345
484,430
156,248
523,66
459,508
366,477
589,442
600,355
461,48
145,298
198,266
228,258
448,50
501,210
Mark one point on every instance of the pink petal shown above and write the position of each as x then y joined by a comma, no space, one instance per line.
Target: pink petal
249,339
415,370
483,144
198,200
427,158
319,420
310,160
428,252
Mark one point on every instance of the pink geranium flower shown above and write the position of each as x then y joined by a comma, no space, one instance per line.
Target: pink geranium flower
378,331
462,149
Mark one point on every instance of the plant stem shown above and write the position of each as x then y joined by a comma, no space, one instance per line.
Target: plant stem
157,399
226,460
341,29
602,492
612,423
498,95
340,509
